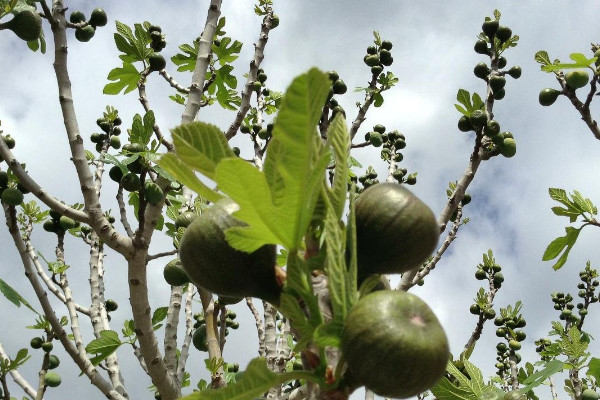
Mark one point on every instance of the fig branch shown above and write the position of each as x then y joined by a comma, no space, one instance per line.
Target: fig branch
91,199
204,50
259,50
17,378
81,360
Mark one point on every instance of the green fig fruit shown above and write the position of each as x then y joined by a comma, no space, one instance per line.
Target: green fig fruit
85,34
396,332
154,194
509,147
98,17
503,33
131,182
577,78
156,62
395,230
52,379
12,196
174,273
213,264
26,24
77,17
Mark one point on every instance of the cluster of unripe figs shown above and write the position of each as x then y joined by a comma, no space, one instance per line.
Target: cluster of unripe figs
129,177
11,191
490,40
396,232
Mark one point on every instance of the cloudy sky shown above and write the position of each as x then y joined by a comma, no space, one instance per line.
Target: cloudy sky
434,57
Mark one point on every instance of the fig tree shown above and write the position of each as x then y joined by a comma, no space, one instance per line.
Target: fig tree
394,344
213,264
395,230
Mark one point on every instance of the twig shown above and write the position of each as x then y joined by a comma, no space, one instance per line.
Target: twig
204,50
81,360
170,341
189,328
260,329
259,55
162,254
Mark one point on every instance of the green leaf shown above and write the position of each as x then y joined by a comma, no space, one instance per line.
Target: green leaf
543,58
126,79
557,245
581,61
256,380
464,98
277,203
159,315
594,368
202,146
184,174
466,389
227,54
335,266
134,45
539,377
13,296
329,334
186,61
103,347
20,359
339,140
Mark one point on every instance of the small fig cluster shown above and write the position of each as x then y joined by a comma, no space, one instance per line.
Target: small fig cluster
478,121
157,38
110,126
379,56
199,335
12,193
508,328
59,224
490,273
85,31
259,83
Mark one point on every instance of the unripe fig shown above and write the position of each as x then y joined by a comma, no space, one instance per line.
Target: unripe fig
481,70
464,125
577,78
478,118
339,87
26,24
98,17
503,33
85,34
174,273
395,230
156,62
12,196
77,17
515,72
386,45
481,47
490,26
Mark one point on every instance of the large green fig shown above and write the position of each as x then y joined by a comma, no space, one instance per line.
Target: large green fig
26,24
213,264
395,230
394,344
